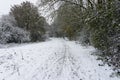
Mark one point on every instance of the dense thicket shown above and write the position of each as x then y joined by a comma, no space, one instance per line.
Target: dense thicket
10,32
28,18
22,24
93,22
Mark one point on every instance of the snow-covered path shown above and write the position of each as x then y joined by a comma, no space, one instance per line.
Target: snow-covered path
56,59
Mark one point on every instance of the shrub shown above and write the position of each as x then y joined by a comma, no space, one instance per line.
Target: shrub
9,32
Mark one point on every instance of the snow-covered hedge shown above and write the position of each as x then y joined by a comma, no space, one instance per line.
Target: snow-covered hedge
10,33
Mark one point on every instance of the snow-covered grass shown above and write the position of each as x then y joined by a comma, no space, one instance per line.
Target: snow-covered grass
56,59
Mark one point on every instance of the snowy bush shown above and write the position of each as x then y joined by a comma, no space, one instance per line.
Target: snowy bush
9,32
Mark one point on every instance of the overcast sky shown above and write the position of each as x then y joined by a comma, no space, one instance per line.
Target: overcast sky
6,4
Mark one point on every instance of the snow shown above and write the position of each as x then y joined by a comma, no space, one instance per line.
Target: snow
56,59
